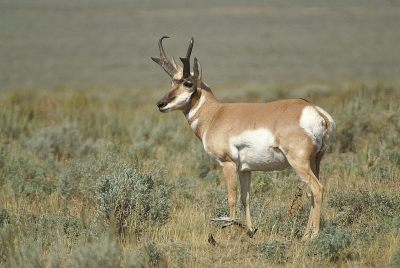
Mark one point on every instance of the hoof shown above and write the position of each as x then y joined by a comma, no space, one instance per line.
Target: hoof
251,232
211,240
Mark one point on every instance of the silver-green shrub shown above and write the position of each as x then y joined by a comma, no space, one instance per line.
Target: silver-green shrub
103,253
132,199
363,206
334,245
395,262
148,256
63,141
202,168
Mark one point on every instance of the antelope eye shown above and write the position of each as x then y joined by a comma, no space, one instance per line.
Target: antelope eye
188,84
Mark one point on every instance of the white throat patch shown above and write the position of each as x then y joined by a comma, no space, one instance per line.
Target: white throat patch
193,125
193,112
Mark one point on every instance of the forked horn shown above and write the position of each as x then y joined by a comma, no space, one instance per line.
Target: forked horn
163,60
186,60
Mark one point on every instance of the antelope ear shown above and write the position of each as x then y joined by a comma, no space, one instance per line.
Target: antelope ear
197,70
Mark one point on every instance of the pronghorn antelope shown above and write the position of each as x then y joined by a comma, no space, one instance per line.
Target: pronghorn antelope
246,137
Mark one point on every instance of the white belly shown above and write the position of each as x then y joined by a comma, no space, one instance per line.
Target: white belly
254,150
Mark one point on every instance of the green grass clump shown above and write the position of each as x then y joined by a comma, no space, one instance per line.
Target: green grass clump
359,206
395,262
334,245
217,202
213,177
275,251
202,168
180,254
4,217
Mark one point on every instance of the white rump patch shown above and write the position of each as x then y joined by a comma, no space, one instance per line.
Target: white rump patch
254,150
313,124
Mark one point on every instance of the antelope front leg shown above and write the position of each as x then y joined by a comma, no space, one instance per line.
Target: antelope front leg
229,170
245,182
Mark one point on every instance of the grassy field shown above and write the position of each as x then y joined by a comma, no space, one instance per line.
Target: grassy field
97,177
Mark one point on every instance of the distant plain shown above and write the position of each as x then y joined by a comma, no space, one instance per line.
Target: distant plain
45,43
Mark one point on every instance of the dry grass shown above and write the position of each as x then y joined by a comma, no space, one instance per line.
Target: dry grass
49,215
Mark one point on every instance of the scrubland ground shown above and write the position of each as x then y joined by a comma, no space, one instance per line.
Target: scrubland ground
97,177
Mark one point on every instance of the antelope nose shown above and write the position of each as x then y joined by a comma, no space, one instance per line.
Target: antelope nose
161,104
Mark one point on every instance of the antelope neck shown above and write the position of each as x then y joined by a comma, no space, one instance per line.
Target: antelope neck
198,115
197,102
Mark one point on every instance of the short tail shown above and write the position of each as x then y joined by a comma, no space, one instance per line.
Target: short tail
330,129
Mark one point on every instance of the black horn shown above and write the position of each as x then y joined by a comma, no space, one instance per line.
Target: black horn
186,60
163,60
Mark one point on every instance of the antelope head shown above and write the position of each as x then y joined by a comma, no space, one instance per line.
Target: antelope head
184,83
